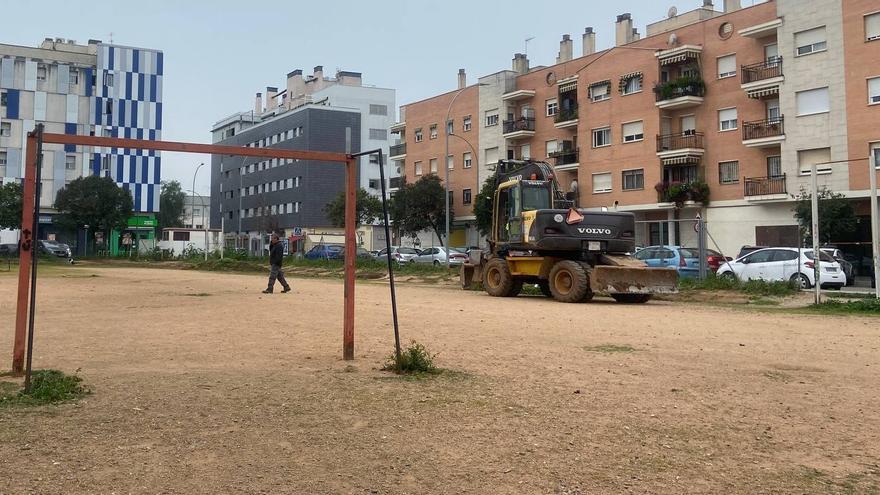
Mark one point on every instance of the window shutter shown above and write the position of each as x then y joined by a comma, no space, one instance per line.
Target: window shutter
806,159
727,114
874,90
726,64
598,91
601,182
872,26
812,101
809,37
552,147
632,128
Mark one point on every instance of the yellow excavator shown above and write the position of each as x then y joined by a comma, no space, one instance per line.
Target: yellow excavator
539,237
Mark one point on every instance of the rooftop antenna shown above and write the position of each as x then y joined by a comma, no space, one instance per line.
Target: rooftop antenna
111,37
530,38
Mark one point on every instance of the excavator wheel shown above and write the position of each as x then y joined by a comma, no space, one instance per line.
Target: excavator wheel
498,281
569,282
587,269
631,298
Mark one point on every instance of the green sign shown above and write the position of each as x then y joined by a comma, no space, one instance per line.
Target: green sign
142,221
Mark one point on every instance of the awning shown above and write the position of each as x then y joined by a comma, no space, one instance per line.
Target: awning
601,83
568,86
624,79
681,160
681,56
758,93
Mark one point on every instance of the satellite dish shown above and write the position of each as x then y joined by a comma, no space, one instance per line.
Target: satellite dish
673,39
672,12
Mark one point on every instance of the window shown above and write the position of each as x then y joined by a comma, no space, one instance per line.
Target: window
70,162
602,183
726,66
631,83
773,112
491,156
105,166
806,159
450,162
419,135
552,107
466,123
378,109
418,168
600,91
379,134
42,72
875,150
774,166
451,198
810,41
2,158
108,79
5,129
181,236
552,147
297,181
525,151
728,172
491,117
450,127
467,160
3,98
727,119
74,76
374,183
633,179
433,131
297,206
601,137
633,131
812,101
465,196
872,27
433,164
873,90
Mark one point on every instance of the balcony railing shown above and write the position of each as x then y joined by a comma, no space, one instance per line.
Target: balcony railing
668,142
565,157
759,129
762,186
396,182
519,124
683,86
762,70
397,149
567,114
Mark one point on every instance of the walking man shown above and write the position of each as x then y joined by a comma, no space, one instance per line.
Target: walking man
276,257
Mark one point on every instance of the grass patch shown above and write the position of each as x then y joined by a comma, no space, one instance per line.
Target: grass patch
761,288
198,294
869,307
763,301
849,295
607,348
414,360
47,387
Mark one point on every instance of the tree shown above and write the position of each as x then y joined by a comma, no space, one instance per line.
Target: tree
368,209
94,201
483,205
837,218
172,201
420,206
10,206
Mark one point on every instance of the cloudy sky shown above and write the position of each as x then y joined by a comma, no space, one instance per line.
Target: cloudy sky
219,53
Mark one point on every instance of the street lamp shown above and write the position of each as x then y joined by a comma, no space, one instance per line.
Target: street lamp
193,219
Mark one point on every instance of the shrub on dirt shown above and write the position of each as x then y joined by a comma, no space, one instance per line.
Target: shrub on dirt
414,359
751,287
47,387
860,306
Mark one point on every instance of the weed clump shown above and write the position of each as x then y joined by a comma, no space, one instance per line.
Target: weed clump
751,287
414,359
47,387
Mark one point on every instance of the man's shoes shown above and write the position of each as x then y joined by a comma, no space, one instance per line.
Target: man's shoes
267,291
286,289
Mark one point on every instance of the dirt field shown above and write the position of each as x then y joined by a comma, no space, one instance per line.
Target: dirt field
203,385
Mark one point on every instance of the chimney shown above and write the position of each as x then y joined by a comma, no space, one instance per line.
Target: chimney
520,63
271,101
623,29
635,35
258,104
731,5
566,48
296,87
589,41
462,79
707,4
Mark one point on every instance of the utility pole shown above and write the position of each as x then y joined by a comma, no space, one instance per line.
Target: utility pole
814,204
875,222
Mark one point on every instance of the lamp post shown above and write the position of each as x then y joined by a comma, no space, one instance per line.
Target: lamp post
193,219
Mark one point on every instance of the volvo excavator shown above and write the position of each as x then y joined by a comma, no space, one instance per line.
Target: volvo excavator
540,237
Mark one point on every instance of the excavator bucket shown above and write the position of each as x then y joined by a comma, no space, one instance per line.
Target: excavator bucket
633,280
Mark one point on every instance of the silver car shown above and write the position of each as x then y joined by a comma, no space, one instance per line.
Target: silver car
437,256
399,254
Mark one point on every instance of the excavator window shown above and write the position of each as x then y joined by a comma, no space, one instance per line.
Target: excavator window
509,214
535,198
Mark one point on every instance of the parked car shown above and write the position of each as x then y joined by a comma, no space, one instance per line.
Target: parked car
8,249
55,248
845,265
781,264
325,252
437,256
685,260
715,259
749,249
360,253
399,254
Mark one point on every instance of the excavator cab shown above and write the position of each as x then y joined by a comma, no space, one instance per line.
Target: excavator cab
516,199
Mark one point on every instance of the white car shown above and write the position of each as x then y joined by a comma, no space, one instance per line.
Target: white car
781,264
437,256
399,254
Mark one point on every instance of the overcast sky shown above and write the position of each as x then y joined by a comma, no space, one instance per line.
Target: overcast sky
219,53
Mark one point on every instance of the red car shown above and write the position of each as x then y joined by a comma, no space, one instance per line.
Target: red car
715,259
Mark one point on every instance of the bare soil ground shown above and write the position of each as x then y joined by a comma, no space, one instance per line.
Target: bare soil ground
204,385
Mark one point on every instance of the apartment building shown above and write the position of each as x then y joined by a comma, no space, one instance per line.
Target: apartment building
714,113
250,197
93,89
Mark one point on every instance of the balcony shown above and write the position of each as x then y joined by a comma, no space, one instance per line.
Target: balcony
764,133
398,127
565,159
520,94
566,118
683,92
680,148
397,151
765,188
684,193
762,79
519,128
763,30
395,183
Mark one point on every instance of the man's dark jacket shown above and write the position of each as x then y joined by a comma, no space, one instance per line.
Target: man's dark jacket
276,253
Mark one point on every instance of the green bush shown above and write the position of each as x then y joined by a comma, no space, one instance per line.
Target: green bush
47,387
861,306
414,359
751,287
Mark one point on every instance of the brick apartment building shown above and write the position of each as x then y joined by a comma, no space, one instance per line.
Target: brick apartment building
737,104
